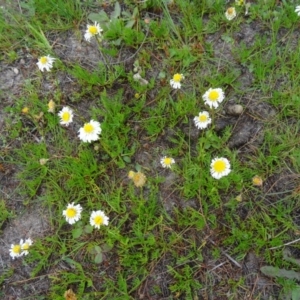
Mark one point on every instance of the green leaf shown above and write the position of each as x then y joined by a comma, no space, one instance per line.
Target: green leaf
76,233
117,11
162,74
126,14
88,229
127,159
98,258
101,17
106,247
130,24
97,249
135,12
117,42
276,272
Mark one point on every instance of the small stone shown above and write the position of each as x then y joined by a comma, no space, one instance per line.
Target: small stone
234,110
16,71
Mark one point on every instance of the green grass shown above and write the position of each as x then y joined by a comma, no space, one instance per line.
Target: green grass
167,230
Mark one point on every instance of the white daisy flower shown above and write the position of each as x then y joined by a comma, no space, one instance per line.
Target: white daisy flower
72,213
66,116
90,131
25,246
45,62
167,162
175,82
98,218
219,167
15,251
230,13
297,10
92,30
213,97
203,120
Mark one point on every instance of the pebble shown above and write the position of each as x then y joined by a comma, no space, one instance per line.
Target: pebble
234,110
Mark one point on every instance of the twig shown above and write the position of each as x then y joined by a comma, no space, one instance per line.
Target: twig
30,279
219,265
227,255
289,243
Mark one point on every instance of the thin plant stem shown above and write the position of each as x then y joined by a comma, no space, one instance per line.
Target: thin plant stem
102,55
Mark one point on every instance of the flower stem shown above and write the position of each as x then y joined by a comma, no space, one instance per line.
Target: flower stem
101,53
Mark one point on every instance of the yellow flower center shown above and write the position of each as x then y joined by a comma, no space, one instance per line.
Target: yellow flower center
202,118
213,95
177,77
256,180
93,30
88,128
25,110
139,179
43,60
98,220
219,166
167,161
16,249
25,246
230,10
66,116
71,212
